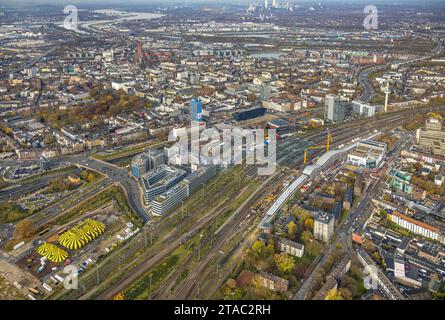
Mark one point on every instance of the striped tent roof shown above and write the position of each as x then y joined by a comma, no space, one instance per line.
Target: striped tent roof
83,233
88,229
96,225
73,239
52,252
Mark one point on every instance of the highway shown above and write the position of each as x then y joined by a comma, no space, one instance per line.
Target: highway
44,217
363,76
31,186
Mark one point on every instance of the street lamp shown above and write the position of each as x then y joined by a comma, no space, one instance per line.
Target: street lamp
149,294
182,210
199,246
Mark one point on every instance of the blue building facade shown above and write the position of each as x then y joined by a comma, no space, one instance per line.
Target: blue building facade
196,109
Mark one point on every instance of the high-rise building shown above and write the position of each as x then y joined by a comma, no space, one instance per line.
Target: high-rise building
196,109
156,157
44,164
139,165
265,92
334,109
323,226
139,53
432,137
147,161
31,72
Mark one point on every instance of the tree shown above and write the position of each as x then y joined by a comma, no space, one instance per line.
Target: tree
299,270
345,293
292,229
301,214
383,214
355,271
258,249
49,139
251,97
309,224
231,283
313,248
284,263
369,246
418,166
119,296
333,294
351,284
307,237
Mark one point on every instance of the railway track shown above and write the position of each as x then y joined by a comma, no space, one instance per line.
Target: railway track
340,135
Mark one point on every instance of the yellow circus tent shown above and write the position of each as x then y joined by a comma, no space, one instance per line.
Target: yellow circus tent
52,252
72,239
83,233
88,229
96,225
80,230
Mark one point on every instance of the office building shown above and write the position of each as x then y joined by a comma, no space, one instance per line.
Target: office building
249,114
156,157
169,199
159,180
44,164
363,109
399,180
265,92
432,137
178,193
334,109
196,109
139,165
147,161
323,226
200,176
368,154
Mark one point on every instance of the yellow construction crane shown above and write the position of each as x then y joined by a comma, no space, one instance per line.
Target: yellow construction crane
329,140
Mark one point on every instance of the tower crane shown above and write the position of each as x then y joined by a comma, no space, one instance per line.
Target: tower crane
329,141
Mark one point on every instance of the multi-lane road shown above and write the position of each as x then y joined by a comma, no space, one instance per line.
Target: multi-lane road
31,185
363,76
